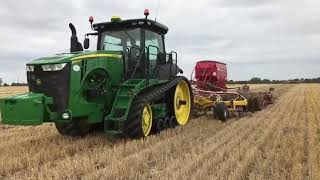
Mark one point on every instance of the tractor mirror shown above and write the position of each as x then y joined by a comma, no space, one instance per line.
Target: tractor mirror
86,43
161,58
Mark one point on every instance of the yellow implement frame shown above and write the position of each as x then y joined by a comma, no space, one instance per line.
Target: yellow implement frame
206,100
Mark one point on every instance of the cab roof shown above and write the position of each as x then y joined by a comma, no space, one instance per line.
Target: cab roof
131,23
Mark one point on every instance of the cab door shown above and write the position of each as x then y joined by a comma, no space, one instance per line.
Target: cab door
154,45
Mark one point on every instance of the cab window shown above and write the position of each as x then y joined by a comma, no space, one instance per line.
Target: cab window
154,39
154,42
121,40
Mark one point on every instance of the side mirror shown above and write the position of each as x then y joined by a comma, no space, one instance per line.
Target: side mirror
86,43
161,58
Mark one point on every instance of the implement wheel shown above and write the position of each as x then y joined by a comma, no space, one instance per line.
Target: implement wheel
78,127
221,111
254,104
139,122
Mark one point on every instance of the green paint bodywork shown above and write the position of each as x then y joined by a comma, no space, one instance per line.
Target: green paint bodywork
87,98
34,108
25,109
122,103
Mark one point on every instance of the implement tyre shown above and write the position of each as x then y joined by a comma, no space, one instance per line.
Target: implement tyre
254,104
221,111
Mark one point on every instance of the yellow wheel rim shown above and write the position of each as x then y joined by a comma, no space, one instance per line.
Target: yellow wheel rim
146,119
182,102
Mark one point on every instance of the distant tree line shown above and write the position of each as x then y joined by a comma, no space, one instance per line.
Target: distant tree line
19,84
256,80
12,84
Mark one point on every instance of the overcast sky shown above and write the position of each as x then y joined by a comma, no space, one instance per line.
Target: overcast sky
274,39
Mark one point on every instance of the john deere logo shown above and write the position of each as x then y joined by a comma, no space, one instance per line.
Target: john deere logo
38,82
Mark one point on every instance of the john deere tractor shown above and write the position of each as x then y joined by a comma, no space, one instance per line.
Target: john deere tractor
129,85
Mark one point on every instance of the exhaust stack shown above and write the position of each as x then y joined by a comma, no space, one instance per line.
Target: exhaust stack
75,44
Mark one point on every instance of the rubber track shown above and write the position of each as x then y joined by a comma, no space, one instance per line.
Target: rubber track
71,129
133,127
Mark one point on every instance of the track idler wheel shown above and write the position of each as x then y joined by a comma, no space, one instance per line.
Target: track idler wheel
139,121
182,102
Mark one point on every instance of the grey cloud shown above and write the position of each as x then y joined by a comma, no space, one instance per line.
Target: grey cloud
247,3
278,36
192,37
35,14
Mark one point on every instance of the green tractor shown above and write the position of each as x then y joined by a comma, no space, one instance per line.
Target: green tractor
129,86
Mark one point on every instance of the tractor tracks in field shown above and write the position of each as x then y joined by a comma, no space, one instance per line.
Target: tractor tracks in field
306,136
155,154
182,163
242,155
213,149
113,156
40,152
221,162
312,135
267,137
69,147
281,155
193,162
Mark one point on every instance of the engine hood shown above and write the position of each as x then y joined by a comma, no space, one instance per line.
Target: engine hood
76,56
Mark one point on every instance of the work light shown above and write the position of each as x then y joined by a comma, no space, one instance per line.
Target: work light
30,68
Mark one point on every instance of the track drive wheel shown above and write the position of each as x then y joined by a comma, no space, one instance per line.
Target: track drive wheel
221,111
78,127
182,102
139,122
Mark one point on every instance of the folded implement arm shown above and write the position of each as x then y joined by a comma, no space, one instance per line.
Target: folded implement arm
207,100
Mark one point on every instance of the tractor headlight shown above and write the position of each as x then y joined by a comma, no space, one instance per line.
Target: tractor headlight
53,67
30,68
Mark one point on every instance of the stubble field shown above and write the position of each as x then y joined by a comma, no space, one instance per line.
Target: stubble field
280,142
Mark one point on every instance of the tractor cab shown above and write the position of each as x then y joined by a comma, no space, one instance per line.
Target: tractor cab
141,41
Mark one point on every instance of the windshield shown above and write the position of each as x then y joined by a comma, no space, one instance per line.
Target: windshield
120,40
